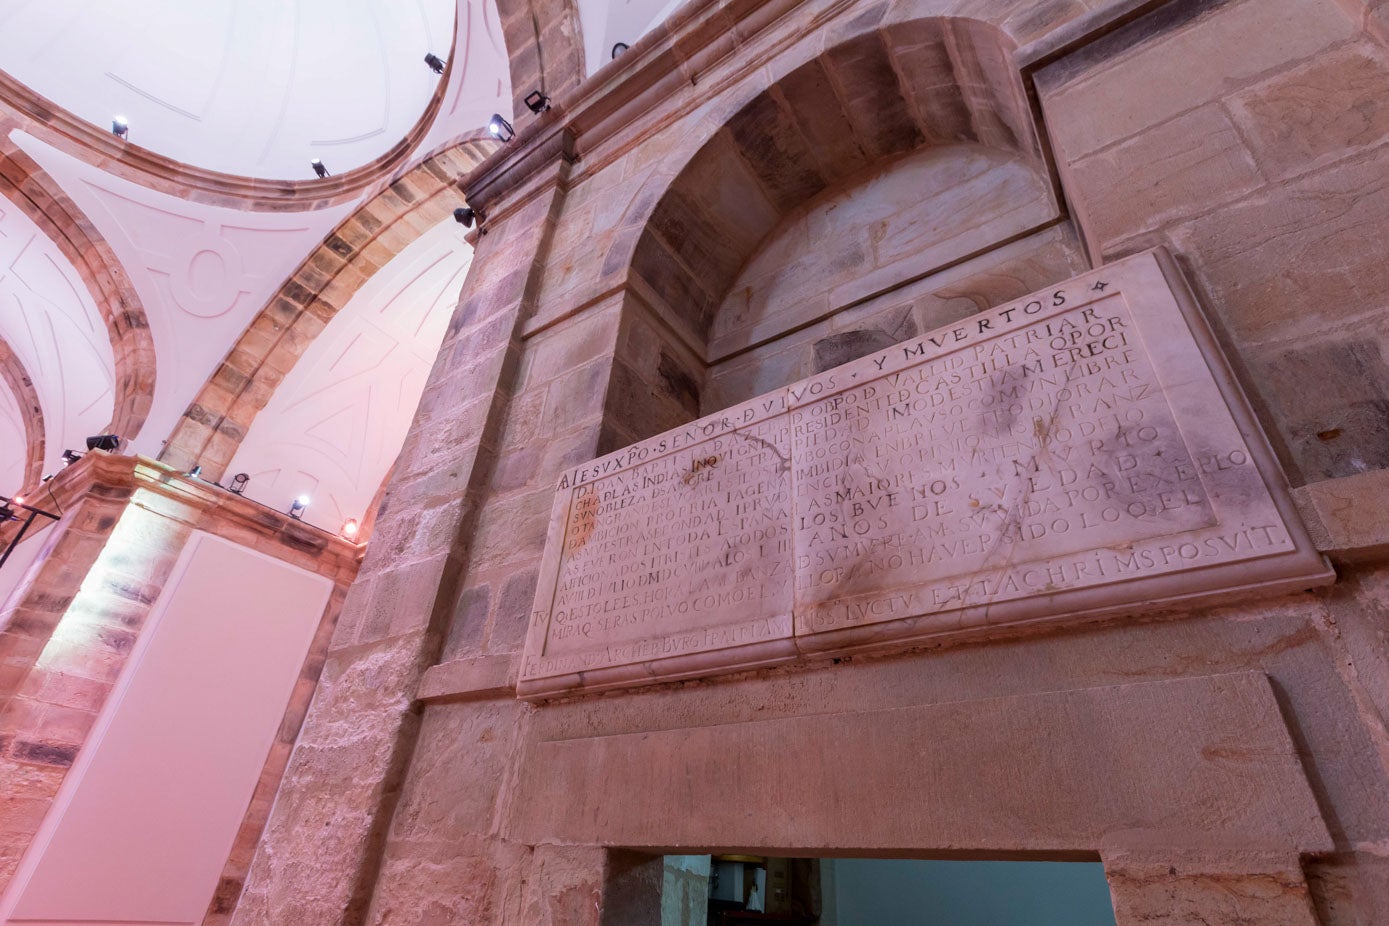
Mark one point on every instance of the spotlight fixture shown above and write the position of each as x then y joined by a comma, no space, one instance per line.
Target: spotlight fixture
319,169
296,510
537,102
70,457
349,528
436,64
108,442
619,48
120,128
18,499
238,483
196,472
467,215
500,128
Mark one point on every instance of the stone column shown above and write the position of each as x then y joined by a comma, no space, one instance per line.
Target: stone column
67,631
319,860
1206,889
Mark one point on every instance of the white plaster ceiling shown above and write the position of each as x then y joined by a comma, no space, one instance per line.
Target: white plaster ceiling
50,321
479,76
249,87
14,443
203,273
335,425
607,22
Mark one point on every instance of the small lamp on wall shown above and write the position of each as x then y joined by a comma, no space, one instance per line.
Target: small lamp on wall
120,128
296,510
500,128
350,528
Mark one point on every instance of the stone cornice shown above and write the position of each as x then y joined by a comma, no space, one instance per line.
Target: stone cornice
204,506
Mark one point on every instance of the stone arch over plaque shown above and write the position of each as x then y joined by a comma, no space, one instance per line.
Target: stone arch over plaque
1080,452
873,99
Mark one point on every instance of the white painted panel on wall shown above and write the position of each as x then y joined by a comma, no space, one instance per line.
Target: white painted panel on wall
143,824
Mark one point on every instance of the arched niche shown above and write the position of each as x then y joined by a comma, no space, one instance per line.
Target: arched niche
895,182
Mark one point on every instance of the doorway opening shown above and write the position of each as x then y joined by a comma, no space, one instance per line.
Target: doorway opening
736,890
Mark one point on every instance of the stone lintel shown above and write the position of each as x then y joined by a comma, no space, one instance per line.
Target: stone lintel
1051,775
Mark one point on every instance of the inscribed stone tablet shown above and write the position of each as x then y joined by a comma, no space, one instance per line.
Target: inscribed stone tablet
675,557
1077,453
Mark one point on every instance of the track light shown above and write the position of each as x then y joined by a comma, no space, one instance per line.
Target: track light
120,128
296,510
436,64
619,48
70,457
349,528
108,442
467,215
319,169
537,102
238,483
196,472
500,128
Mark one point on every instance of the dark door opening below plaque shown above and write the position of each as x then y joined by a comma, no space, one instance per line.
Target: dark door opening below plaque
737,890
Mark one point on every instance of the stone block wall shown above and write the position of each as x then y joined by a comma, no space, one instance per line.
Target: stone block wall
578,331
1250,137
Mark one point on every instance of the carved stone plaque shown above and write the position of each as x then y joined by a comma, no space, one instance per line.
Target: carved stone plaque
1077,453
671,557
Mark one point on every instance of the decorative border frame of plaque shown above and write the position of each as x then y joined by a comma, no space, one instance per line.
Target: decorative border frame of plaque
1191,370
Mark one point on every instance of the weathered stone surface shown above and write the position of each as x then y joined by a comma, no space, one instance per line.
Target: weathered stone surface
673,553
958,776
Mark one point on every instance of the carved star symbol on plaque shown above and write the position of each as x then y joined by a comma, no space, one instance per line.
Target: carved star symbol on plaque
1099,286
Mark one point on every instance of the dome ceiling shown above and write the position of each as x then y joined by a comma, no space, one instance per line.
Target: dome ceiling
253,87
50,322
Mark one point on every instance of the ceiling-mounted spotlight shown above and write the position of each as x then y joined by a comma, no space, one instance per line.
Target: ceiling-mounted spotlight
120,128
436,64
349,528
70,457
467,215
196,472
619,48
238,483
500,128
108,442
296,510
319,169
537,102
